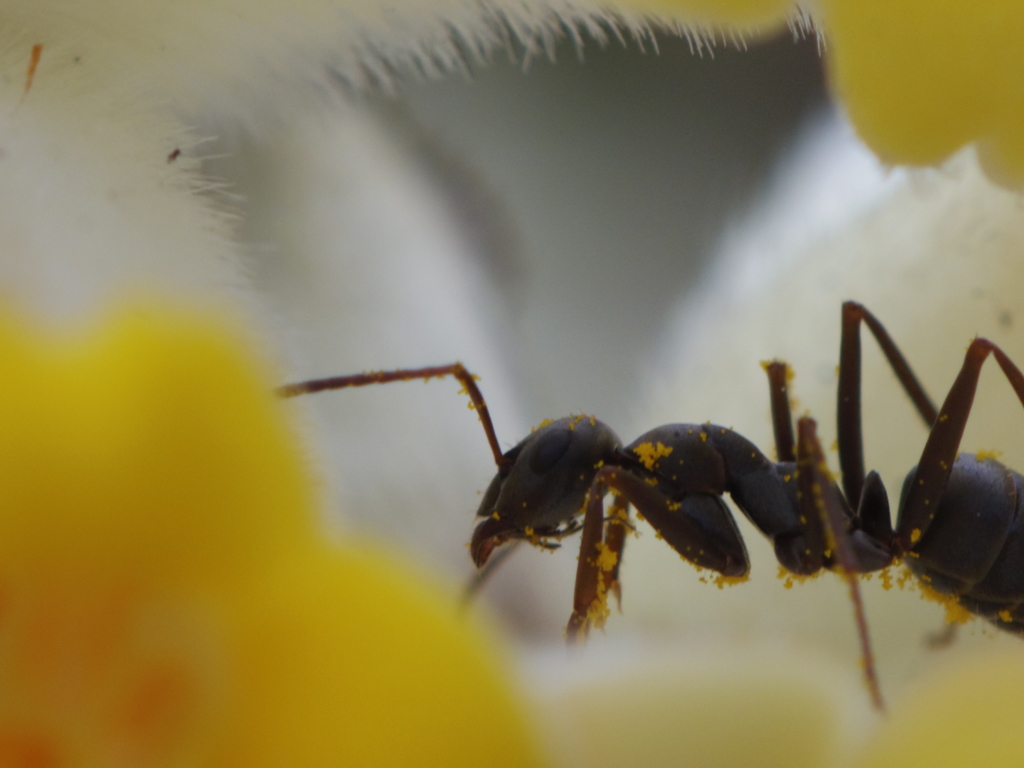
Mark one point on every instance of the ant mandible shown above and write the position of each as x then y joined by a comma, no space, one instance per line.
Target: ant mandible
958,527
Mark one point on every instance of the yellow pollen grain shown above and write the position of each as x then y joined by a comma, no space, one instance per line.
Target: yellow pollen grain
649,453
955,613
786,576
790,578
886,576
606,558
722,581
905,577
598,612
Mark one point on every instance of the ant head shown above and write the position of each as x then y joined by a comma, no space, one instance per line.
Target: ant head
544,484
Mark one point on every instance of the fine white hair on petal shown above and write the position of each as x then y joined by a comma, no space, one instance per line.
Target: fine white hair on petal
232,55
242,57
120,82
90,205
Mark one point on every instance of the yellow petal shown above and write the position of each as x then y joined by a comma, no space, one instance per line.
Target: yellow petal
921,79
149,443
969,716
342,654
166,597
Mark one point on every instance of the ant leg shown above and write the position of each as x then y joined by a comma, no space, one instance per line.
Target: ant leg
819,498
782,419
457,370
589,606
848,413
936,464
477,403
698,527
618,525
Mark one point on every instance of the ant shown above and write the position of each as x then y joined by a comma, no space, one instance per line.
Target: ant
958,529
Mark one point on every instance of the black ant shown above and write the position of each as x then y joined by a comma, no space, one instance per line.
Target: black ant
958,527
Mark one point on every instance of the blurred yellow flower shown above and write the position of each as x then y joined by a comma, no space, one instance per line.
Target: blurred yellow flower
969,715
921,79
166,596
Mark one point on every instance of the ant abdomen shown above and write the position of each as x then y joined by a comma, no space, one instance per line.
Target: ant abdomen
974,546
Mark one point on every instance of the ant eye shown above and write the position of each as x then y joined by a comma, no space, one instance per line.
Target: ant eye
549,449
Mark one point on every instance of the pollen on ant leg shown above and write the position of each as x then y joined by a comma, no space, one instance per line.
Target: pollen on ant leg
607,559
